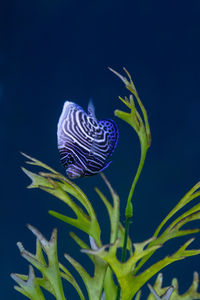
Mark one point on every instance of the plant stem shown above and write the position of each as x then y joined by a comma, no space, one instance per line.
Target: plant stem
127,224
129,207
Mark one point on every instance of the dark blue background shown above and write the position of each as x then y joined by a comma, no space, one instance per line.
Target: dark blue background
52,51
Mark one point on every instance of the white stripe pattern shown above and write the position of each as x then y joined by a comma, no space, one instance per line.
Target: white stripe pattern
84,143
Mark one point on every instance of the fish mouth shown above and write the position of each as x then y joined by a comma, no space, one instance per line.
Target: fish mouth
73,173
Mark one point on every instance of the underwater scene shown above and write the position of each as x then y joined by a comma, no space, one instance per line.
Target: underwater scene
100,144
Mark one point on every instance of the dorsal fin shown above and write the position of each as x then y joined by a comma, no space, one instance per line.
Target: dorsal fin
91,109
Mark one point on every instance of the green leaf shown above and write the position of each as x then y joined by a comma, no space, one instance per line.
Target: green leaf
123,271
68,276
190,294
94,284
133,118
173,230
51,279
165,296
100,279
130,284
116,231
59,186
29,288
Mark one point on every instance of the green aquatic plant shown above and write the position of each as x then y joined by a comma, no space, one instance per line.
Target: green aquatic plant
113,277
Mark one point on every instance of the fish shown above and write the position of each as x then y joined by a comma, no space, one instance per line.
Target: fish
84,143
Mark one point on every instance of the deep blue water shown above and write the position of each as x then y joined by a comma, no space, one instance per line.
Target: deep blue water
52,51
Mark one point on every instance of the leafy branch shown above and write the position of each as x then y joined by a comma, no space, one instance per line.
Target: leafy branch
141,126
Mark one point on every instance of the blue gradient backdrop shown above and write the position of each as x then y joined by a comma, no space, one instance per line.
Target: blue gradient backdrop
52,51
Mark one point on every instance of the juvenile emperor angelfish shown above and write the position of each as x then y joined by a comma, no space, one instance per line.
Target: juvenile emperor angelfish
85,144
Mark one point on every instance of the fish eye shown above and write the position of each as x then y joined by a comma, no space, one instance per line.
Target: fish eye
70,159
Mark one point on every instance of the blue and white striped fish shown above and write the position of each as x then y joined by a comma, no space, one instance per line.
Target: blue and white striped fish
84,143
